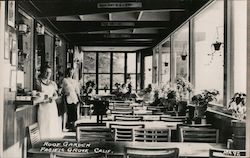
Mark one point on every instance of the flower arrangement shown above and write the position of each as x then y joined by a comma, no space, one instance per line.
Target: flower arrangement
201,100
238,106
183,88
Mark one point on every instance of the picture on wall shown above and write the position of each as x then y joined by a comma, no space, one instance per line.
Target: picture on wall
6,46
11,13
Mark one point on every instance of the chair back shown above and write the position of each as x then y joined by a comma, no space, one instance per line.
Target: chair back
34,134
145,152
100,133
128,118
191,125
122,112
167,118
152,135
76,155
199,134
124,132
226,153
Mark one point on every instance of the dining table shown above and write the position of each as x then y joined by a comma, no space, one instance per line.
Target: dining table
111,148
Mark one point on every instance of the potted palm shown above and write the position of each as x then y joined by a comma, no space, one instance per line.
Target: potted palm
237,106
201,102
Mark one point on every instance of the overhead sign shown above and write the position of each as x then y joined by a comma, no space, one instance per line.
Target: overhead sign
120,5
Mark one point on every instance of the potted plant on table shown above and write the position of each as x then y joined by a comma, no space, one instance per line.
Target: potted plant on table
237,106
201,102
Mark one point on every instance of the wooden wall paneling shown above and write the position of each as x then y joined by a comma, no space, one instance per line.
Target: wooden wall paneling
9,107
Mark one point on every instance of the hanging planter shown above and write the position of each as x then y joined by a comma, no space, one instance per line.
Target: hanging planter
183,57
217,45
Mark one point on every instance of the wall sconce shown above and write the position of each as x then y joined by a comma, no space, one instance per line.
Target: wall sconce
39,29
58,42
23,29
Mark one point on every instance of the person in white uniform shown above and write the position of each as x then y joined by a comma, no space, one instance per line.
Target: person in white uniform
71,91
50,124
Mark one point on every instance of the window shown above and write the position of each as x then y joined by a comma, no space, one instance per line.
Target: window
239,43
104,63
208,28
105,72
89,62
165,64
181,50
118,63
148,70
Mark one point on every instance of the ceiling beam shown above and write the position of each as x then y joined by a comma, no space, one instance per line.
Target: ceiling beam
90,26
115,43
112,36
55,8
138,18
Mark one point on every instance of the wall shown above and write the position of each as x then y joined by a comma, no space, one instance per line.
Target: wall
13,124
2,15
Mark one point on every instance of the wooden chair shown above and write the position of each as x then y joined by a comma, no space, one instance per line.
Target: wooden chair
76,155
226,153
144,152
122,112
152,135
100,133
199,134
167,118
127,118
124,132
191,125
34,134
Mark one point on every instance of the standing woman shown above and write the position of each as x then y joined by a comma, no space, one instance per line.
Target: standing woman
71,91
48,120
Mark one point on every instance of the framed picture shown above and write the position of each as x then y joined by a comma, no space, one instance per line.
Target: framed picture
11,13
6,46
13,51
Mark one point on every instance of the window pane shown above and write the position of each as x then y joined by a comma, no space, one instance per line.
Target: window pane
133,81
208,28
89,62
131,61
118,78
239,43
104,63
118,62
181,48
165,74
104,81
148,70
89,77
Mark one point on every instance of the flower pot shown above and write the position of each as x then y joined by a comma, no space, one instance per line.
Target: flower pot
239,134
182,107
199,111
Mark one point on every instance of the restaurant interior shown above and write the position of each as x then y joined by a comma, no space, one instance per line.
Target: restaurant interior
154,78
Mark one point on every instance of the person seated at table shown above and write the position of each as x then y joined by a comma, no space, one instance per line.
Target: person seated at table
148,96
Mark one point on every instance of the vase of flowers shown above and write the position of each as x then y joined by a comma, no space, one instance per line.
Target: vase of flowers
201,102
237,106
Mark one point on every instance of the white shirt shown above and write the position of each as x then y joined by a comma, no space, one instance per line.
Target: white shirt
71,89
